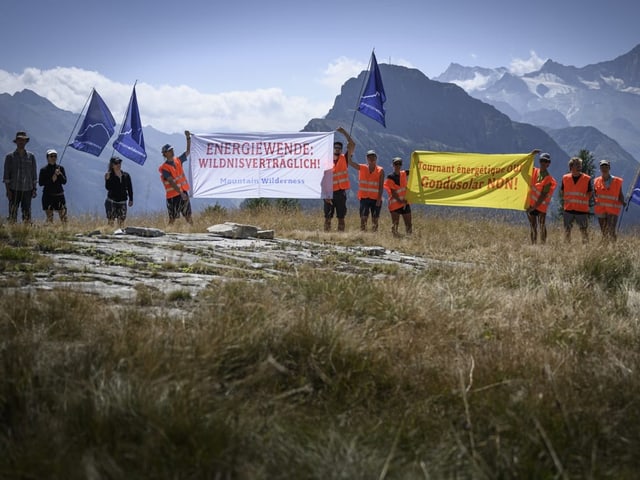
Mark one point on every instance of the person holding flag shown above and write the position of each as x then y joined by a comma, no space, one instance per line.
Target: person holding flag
338,203
52,177
609,200
119,188
175,181
371,185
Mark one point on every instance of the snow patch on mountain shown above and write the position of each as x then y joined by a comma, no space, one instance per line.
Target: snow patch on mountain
591,85
478,83
555,86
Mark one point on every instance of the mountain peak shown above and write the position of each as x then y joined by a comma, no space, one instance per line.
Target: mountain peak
555,68
32,99
457,72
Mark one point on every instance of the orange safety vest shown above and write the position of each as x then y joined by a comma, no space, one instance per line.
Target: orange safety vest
537,187
177,173
341,174
607,199
576,194
369,182
401,191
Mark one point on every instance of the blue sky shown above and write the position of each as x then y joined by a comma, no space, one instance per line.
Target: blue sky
270,66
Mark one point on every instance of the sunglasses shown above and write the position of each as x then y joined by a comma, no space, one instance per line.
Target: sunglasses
53,155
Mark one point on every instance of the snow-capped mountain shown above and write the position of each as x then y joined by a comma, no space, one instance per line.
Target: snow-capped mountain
605,95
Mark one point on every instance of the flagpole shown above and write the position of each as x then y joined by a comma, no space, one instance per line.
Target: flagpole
628,197
364,82
74,127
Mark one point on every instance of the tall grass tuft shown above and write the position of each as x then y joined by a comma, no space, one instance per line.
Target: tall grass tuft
498,360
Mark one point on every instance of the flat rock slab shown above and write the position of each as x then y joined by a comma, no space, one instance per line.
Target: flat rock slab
121,265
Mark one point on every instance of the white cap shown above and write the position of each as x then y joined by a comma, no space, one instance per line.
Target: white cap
51,151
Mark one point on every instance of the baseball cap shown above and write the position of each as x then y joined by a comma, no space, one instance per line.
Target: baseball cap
115,160
545,157
605,162
51,151
371,152
396,160
166,147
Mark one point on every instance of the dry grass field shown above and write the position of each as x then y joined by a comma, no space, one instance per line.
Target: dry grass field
502,360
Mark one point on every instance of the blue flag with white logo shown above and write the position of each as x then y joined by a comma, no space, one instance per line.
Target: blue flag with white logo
130,141
96,129
373,98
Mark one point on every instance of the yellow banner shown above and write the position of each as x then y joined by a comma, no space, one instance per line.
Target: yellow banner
470,179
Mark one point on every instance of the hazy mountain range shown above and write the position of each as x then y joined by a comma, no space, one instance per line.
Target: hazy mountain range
421,114
604,95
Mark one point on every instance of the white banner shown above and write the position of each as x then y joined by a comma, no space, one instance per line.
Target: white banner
267,165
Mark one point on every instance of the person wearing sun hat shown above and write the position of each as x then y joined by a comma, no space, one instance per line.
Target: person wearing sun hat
540,194
52,177
175,181
20,179
609,199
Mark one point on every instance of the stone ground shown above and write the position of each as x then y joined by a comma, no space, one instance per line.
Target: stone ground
119,265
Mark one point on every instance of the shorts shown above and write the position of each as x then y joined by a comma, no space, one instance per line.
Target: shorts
369,205
177,206
403,210
606,215
339,205
582,219
115,209
53,202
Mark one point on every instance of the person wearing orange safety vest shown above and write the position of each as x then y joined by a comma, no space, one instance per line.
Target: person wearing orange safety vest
609,200
338,203
175,181
576,192
542,187
396,187
371,184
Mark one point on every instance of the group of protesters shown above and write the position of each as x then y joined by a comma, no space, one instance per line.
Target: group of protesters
578,194
21,179
372,182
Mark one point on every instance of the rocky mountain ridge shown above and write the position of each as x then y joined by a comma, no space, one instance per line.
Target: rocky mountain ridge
605,95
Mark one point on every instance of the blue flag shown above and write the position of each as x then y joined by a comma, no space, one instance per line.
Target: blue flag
96,129
373,96
130,141
635,193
